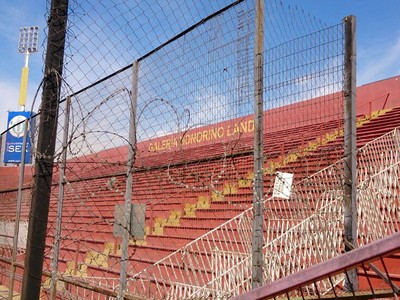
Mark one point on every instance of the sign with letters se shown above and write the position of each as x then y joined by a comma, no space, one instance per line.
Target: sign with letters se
15,136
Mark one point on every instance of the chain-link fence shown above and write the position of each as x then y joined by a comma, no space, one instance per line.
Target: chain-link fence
155,147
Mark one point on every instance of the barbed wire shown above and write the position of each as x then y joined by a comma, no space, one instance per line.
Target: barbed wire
192,160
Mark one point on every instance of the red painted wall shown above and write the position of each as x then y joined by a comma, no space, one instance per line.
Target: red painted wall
9,177
378,95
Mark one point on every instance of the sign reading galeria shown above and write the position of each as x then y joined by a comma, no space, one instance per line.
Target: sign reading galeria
15,137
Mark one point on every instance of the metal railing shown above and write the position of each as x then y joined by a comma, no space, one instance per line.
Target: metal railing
219,261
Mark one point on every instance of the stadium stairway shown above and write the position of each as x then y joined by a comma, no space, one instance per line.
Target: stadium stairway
230,190
166,268
152,248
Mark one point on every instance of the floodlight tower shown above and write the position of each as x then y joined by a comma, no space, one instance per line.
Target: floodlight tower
27,44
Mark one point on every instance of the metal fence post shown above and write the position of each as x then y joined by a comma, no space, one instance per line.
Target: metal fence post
129,171
350,145
60,199
38,218
257,255
18,215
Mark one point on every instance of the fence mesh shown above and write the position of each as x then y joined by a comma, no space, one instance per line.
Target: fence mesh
154,150
105,37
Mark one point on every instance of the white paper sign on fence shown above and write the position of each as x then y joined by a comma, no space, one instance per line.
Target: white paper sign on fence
283,185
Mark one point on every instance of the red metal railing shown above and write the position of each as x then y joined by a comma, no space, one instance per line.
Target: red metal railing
361,258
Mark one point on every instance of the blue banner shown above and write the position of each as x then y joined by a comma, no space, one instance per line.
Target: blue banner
15,136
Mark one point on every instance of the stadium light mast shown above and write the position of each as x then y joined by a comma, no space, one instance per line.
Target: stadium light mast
27,44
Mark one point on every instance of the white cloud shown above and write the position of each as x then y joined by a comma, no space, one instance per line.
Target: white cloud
9,95
9,101
379,63
11,17
210,108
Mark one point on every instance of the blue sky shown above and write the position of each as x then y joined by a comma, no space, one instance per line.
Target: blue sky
378,41
16,14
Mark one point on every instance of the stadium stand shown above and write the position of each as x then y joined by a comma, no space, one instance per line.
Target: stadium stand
174,215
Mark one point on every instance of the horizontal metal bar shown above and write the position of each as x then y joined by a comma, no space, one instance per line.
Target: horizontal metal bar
337,265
